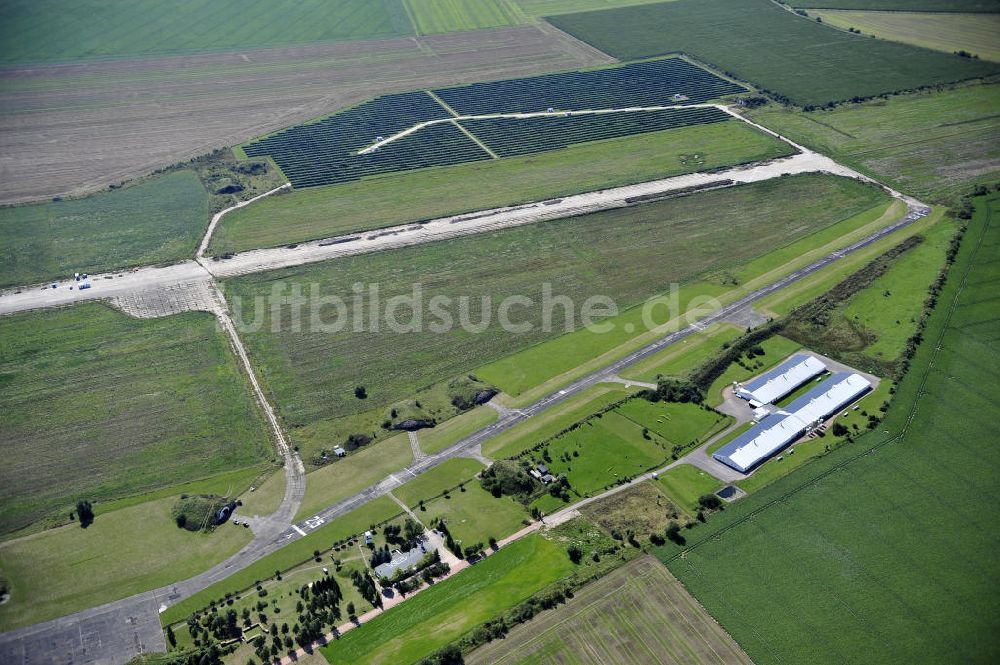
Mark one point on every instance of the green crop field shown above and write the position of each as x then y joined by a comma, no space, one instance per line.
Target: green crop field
57,30
973,33
158,220
430,193
435,617
685,484
290,556
69,569
430,16
98,405
638,614
933,144
756,40
883,547
312,374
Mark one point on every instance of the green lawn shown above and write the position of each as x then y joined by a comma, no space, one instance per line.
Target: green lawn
435,617
443,477
349,475
931,144
159,220
681,359
55,30
98,405
607,450
290,556
685,484
756,40
679,424
894,520
430,193
266,496
455,429
64,570
550,422
892,305
313,374
475,515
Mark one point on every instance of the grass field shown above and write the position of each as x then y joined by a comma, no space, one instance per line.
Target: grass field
55,30
756,40
685,484
430,193
435,617
973,33
288,557
641,509
431,16
313,374
678,424
474,515
98,405
445,476
453,430
934,144
344,477
527,433
599,453
64,570
159,220
894,520
681,359
552,7
637,614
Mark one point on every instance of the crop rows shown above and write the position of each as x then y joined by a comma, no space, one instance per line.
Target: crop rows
511,136
642,84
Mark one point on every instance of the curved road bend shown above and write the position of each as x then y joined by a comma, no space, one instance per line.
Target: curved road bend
112,633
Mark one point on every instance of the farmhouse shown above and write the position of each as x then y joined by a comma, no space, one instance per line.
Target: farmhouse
771,386
400,561
776,431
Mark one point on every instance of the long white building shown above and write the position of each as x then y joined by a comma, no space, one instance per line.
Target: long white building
771,386
775,432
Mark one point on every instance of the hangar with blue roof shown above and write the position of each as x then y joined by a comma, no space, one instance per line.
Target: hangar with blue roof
771,386
777,430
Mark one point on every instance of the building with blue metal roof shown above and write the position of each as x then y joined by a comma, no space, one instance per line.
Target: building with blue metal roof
774,384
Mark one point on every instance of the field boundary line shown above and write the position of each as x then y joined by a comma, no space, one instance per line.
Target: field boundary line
475,139
443,103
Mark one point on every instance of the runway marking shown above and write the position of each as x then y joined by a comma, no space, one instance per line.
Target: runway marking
296,527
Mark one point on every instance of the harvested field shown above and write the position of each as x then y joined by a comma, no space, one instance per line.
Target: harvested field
73,128
637,614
